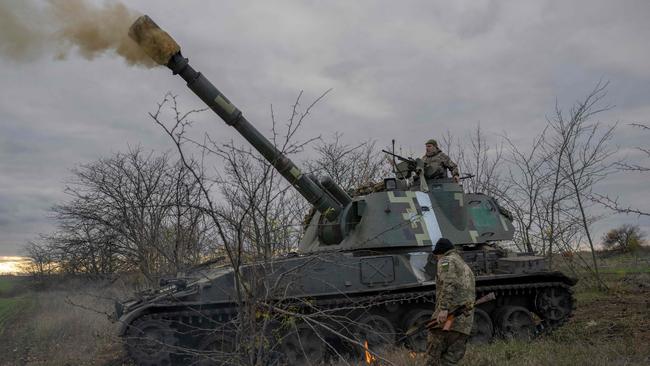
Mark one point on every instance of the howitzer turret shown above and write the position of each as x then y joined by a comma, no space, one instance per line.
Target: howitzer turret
364,261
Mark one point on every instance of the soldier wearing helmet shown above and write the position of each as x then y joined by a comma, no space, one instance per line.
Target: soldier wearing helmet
436,163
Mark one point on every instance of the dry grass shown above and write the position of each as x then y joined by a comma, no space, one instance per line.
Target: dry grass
64,327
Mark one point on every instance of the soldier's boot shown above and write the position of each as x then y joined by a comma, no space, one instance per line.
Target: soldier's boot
436,344
455,350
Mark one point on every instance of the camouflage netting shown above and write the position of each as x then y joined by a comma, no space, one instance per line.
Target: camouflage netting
155,42
367,188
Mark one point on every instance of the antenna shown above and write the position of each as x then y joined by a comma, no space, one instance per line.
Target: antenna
394,163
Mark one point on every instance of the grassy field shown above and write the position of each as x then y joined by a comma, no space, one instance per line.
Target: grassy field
7,284
11,307
611,328
12,300
68,325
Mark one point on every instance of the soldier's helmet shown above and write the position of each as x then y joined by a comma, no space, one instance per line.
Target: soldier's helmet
443,245
432,142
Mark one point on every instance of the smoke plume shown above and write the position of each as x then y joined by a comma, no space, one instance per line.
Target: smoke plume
56,28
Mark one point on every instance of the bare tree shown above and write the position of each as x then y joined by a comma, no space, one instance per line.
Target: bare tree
633,167
42,261
349,166
479,158
130,211
528,181
82,247
584,159
482,160
638,166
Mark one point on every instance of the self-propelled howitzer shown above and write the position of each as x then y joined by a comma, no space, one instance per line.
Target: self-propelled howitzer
364,263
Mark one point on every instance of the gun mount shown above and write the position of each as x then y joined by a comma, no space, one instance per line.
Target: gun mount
366,259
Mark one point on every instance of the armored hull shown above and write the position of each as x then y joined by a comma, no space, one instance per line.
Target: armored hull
375,297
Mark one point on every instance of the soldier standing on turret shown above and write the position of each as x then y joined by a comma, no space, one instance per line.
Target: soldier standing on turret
436,163
454,288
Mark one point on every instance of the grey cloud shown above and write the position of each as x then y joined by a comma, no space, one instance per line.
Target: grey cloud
397,70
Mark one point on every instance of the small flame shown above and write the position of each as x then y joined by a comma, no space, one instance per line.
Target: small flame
370,358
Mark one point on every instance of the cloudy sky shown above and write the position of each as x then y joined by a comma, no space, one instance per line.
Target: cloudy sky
405,70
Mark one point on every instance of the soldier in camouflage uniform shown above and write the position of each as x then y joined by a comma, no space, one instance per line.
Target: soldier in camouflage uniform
454,287
437,163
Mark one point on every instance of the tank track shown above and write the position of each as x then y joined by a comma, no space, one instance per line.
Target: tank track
196,318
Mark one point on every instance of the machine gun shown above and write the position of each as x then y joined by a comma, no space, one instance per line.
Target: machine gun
401,158
413,165
406,166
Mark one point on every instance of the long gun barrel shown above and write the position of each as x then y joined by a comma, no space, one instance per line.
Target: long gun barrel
162,48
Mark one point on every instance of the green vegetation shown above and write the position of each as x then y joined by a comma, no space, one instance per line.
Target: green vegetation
625,271
12,285
6,284
588,296
10,307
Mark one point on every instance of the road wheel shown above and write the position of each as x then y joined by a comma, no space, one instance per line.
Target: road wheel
515,322
554,304
483,329
377,330
151,342
302,346
217,348
418,342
